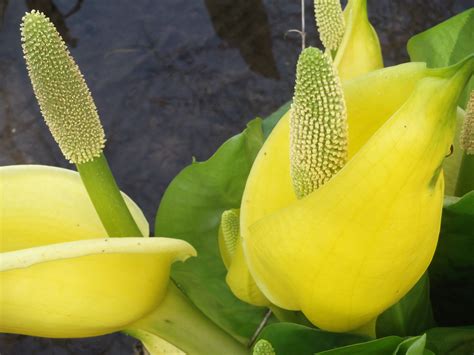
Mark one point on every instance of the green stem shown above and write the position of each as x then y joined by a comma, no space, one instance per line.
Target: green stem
465,181
179,322
368,329
107,199
284,315
399,319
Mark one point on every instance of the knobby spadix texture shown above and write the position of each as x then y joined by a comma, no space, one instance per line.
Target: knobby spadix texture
230,231
263,347
64,98
318,123
467,135
330,22
356,245
238,277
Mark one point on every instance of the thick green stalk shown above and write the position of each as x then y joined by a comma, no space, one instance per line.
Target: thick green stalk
179,322
107,199
368,329
465,181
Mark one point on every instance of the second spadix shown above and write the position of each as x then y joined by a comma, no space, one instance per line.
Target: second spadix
318,123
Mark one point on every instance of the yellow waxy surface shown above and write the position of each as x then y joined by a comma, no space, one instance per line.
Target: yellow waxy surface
59,277
269,185
355,246
359,51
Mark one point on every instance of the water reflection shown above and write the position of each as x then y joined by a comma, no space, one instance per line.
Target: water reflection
3,8
49,8
244,25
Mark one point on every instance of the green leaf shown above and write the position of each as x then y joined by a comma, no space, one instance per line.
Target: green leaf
452,269
295,339
451,341
412,315
440,46
413,346
446,44
191,209
270,122
375,347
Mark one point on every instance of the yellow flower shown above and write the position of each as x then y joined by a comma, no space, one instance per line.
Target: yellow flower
359,51
353,247
59,276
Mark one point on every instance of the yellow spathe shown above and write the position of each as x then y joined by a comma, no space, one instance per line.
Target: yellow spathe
269,186
355,246
59,276
359,51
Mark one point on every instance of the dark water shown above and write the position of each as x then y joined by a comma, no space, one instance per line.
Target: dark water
172,79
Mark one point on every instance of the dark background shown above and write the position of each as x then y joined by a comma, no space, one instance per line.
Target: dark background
172,79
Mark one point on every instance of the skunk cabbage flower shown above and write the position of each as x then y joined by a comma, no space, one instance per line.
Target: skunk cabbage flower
354,246
352,38
58,276
275,190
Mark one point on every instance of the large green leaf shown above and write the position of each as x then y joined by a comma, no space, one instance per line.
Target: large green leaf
445,44
374,347
295,339
440,46
412,315
191,209
389,345
413,346
452,269
450,341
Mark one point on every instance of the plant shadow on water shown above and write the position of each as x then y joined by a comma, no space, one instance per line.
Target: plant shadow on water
171,79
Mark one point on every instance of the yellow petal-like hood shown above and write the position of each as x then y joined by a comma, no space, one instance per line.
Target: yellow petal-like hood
59,277
241,282
370,99
359,51
358,54
355,246
39,198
